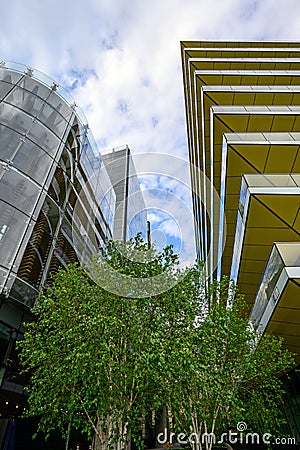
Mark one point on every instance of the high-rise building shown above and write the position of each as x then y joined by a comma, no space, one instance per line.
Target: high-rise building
130,210
56,203
243,123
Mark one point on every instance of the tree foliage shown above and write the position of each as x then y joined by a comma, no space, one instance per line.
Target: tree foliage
101,361
97,358
227,374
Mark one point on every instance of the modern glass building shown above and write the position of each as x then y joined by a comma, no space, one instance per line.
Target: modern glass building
56,204
130,210
243,124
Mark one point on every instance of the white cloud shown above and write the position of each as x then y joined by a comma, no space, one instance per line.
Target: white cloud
170,227
154,218
122,58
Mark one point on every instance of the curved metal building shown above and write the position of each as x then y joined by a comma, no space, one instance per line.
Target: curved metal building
56,202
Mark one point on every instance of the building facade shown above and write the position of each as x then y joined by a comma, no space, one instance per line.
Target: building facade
56,204
130,210
242,104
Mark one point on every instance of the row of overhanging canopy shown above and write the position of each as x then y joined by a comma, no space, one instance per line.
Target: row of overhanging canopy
243,121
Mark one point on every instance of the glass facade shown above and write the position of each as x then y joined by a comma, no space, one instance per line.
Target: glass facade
283,265
52,206
268,293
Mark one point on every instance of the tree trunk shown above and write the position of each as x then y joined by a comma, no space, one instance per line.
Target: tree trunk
68,434
104,436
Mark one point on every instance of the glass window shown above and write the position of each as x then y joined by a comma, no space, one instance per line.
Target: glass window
5,333
3,277
53,119
45,138
85,161
15,118
24,155
73,144
266,288
66,162
23,292
58,186
10,140
39,244
18,190
10,76
22,123
58,104
51,212
26,101
22,247
238,247
33,160
4,89
32,85
13,224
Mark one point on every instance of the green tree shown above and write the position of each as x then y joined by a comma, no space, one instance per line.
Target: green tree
97,358
136,333
227,374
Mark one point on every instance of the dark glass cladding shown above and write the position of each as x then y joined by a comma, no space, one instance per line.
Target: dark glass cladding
52,213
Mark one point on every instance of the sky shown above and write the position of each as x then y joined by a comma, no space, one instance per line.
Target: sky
120,59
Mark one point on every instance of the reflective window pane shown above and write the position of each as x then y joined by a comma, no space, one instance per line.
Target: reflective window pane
32,85
52,120
18,190
23,292
10,76
23,154
45,138
27,101
16,119
4,89
33,160
12,227
57,103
